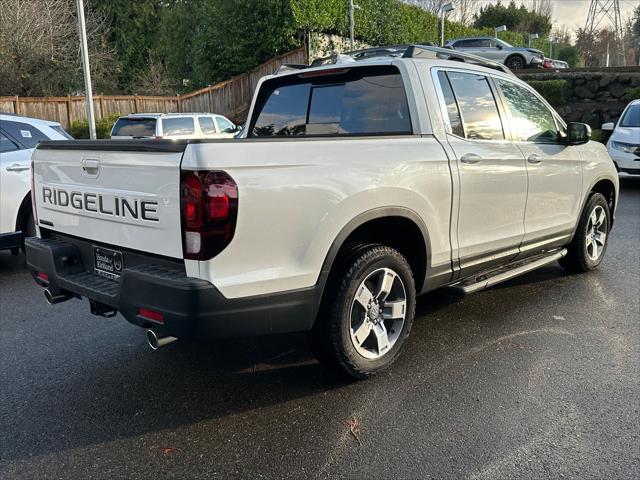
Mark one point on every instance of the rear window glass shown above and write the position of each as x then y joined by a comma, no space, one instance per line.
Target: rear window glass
359,101
62,131
177,126
7,145
28,135
134,127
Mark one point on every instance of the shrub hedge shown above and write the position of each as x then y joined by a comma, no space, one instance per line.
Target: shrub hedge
386,22
631,94
553,91
80,128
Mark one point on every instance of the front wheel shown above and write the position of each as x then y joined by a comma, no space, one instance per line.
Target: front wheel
368,313
515,63
589,244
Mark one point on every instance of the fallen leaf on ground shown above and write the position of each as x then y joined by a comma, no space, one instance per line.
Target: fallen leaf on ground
354,429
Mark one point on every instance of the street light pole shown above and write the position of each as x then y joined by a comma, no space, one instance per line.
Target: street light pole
351,24
85,67
446,8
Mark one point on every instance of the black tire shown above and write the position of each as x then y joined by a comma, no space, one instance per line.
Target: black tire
515,63
579,256
331,337
28,229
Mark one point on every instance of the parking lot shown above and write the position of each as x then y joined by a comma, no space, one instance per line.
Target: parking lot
538,377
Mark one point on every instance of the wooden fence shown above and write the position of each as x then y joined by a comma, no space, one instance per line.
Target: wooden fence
230,98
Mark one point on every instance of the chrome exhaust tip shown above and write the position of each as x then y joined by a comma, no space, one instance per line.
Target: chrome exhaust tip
155,342
53,299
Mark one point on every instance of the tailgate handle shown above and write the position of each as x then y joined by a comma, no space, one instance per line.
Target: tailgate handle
91,167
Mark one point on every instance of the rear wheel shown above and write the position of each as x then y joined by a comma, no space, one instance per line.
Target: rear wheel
367,314
589,244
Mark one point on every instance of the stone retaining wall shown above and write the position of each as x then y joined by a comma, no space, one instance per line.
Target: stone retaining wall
592,97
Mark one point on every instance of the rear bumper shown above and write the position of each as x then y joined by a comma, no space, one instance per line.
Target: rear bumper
10,240
191,308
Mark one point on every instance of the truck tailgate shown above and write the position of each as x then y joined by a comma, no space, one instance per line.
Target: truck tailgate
123,193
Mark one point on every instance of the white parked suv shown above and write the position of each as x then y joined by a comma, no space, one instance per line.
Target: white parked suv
18,137
357,186
173,125
624,143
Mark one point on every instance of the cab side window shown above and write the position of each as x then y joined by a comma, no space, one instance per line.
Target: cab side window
477,106
531,120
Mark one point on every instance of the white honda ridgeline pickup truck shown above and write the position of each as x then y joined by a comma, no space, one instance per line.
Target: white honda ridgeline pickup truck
358,185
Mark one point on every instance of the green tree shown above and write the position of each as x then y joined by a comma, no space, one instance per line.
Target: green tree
569,54
516,18
133,33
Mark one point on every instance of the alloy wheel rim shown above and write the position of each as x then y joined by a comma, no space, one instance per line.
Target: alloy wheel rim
378,313
596,236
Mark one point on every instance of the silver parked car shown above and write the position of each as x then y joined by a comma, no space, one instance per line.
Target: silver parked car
516,58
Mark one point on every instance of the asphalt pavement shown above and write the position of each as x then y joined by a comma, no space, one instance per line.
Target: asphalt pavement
536,378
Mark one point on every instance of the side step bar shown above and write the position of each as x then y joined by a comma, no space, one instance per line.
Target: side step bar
488,279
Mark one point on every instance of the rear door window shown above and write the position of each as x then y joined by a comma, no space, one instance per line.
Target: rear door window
28,135
477,106
134,127
358,101
206,125
177,126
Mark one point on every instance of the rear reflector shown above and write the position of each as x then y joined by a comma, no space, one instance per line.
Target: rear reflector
43,276
151,315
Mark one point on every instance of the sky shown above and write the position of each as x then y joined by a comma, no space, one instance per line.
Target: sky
573,13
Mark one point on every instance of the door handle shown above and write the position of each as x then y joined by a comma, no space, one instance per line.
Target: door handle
470,158
16,167
534,158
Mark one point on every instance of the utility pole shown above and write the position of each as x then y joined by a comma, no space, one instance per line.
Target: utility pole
606,13
85,67
351,24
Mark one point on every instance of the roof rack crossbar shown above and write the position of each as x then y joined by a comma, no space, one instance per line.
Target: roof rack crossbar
428,51
404,51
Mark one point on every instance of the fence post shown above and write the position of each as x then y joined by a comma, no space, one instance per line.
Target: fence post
69,111
210,99
179,105
136,104
102,115
16,105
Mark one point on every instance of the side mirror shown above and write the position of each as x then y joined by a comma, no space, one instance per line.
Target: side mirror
578,133
499,47
609,126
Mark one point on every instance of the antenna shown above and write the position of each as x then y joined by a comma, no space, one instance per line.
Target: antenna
606,13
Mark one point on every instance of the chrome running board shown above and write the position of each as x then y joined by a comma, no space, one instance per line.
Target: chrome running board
487,279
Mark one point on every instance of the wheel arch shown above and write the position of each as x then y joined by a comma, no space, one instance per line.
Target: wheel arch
23,212
410,236
607,187
519,55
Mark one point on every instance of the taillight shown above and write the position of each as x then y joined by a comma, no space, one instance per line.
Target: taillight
209,209
33,194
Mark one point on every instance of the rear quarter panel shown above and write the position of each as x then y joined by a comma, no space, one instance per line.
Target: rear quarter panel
296,195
